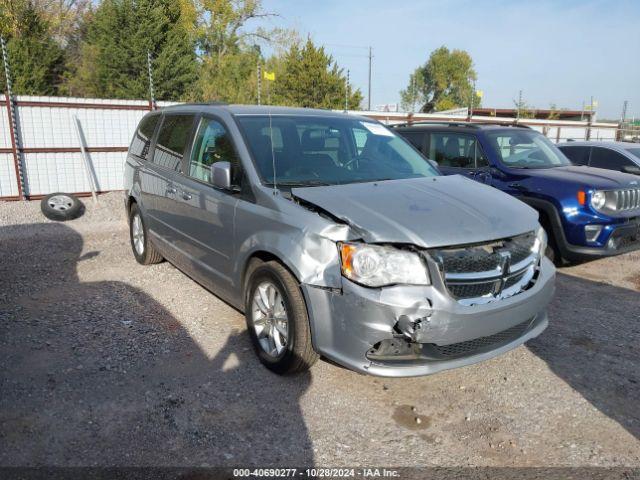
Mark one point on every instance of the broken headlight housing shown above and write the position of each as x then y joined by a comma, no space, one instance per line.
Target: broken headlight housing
377,266
540,244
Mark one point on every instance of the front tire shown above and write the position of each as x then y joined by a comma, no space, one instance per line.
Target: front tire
553,251
277,318
143,249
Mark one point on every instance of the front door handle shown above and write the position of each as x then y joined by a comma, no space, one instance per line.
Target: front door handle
186,196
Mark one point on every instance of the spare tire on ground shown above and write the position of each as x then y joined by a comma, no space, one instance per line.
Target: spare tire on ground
61,207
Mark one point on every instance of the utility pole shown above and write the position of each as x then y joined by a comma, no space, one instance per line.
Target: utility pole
625,104
259,80
519,106
590,118
413,93
370,57
623,119
152,100
471,100
346,93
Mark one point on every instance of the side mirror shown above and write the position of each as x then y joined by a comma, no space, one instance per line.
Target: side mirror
221,175
635,170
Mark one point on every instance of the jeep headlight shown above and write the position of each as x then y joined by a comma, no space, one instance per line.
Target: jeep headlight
377,266
540,243
598,199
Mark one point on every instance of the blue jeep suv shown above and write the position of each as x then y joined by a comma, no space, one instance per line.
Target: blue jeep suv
587,212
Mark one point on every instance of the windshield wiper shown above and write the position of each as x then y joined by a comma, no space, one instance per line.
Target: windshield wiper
309,183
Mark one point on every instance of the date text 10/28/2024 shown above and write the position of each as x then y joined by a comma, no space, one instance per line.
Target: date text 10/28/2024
316,472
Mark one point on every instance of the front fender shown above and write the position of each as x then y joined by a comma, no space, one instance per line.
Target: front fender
302,240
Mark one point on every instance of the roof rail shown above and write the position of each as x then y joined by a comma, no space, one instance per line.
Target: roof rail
475,124
435,122
213,102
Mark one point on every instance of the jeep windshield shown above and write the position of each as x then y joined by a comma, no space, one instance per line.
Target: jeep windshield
526,149
328,150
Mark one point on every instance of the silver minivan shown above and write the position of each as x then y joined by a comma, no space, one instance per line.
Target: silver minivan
335,237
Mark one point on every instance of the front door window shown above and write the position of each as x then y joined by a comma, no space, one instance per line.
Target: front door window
212,144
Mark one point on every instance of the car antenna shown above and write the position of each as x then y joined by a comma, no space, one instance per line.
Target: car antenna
273,155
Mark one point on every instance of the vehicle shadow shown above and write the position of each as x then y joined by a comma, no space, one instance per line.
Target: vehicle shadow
592,344
100,374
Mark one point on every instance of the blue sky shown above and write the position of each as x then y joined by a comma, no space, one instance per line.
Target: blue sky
559,52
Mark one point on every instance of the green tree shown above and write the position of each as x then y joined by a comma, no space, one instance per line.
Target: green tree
308,77
444,82
113,56
554,113
229,48
36,60
524,110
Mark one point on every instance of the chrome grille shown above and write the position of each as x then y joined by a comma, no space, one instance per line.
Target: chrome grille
628,199
487,272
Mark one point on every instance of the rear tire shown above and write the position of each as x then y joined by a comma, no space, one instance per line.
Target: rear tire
283,353
143,248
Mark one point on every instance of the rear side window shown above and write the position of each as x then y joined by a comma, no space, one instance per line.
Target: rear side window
577,155
172,141
610,159
456,150
143,136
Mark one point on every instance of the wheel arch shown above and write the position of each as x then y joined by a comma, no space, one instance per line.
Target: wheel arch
548,212
264,256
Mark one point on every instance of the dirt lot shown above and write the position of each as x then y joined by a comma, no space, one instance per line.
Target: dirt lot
106,362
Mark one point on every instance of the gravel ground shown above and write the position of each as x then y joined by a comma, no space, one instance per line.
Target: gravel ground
106,362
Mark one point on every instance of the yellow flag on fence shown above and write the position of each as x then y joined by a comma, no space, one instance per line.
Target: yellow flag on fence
269,75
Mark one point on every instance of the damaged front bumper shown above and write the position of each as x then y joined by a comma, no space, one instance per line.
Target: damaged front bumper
404,331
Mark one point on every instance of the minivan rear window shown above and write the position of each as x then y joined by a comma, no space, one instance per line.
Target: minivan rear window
172,141
143,136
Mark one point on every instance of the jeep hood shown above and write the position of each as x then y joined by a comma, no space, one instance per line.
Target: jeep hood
598,178
427,212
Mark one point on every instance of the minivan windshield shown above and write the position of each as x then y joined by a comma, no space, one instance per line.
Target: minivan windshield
526,149
328,150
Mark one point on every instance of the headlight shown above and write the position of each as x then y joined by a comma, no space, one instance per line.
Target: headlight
540,244
598,199
376,266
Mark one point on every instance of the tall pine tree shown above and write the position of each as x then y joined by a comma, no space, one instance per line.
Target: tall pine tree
113,59
307,77
36,60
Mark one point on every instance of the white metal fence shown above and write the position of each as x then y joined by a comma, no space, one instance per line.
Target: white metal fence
48,151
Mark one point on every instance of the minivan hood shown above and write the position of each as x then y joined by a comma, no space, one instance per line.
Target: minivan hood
598,178
427,212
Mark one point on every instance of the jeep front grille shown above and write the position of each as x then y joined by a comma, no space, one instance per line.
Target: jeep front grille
627,199
488,272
